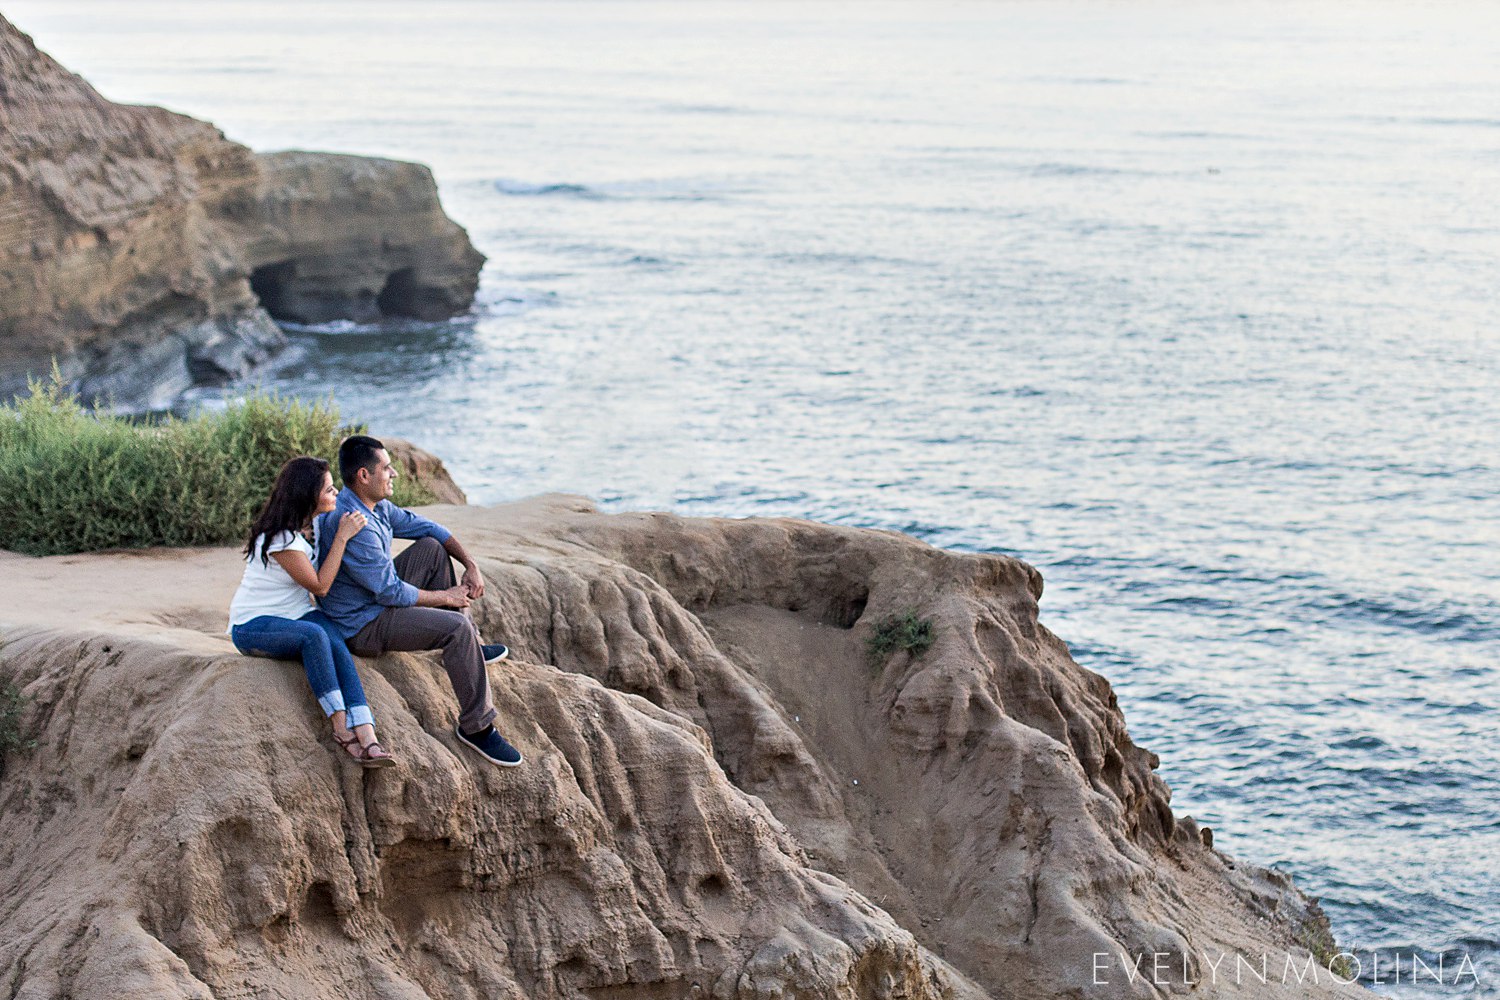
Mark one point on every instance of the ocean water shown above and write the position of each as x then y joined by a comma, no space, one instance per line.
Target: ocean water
1191,306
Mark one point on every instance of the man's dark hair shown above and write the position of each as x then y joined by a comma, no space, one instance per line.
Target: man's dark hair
357,452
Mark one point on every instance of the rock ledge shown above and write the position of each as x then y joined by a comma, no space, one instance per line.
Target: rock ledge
723,796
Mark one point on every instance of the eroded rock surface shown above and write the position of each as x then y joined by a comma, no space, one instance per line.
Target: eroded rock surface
723,796
141,249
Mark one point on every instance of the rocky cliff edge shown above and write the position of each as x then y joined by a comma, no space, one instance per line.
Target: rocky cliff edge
147,253
723,797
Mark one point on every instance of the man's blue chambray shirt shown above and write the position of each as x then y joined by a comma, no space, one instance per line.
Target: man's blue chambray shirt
367,583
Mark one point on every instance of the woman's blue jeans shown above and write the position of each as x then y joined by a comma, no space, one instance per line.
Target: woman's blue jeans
329,664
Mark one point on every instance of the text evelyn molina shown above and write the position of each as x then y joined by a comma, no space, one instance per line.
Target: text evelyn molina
1163,968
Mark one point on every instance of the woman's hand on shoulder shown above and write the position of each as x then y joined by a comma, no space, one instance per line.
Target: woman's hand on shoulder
350,525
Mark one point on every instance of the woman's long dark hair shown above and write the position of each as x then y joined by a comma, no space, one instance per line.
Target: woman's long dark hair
291,504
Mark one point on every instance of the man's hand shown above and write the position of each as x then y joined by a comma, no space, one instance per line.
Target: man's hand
473,583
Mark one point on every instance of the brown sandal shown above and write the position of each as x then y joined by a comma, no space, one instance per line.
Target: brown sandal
373,755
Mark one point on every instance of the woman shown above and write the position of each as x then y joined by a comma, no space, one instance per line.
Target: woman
272,613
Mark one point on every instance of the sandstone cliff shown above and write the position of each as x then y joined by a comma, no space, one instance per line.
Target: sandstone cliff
723,795
147,253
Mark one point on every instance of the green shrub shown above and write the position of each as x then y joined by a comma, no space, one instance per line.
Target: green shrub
72,480
894,632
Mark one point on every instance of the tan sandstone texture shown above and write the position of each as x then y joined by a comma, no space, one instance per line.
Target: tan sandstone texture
723,797
142,249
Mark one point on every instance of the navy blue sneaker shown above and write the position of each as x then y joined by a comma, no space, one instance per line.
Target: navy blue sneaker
490,745
494,653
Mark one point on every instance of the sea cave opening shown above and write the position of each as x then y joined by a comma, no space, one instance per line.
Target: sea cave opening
271,284
401,296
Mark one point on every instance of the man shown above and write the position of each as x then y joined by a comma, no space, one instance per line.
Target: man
412,602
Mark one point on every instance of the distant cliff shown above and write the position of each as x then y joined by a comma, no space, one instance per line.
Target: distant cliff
725,796
147,253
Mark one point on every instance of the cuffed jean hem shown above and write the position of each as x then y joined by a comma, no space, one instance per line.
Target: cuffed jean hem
354,715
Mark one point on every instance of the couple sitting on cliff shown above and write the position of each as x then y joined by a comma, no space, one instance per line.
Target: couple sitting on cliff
366,601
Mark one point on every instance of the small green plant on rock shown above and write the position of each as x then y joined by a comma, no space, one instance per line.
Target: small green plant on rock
905,631
12,704
1316,938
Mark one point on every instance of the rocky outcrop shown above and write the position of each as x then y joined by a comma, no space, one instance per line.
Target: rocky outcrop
142,250
426,469
354,237
724,795
109,259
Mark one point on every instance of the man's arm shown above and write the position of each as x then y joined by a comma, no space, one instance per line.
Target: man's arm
367,565
453,597
405,524
472,582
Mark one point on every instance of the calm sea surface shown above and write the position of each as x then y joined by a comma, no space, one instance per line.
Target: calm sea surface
1193,307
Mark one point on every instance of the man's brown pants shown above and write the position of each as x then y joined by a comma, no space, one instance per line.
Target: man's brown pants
426,566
